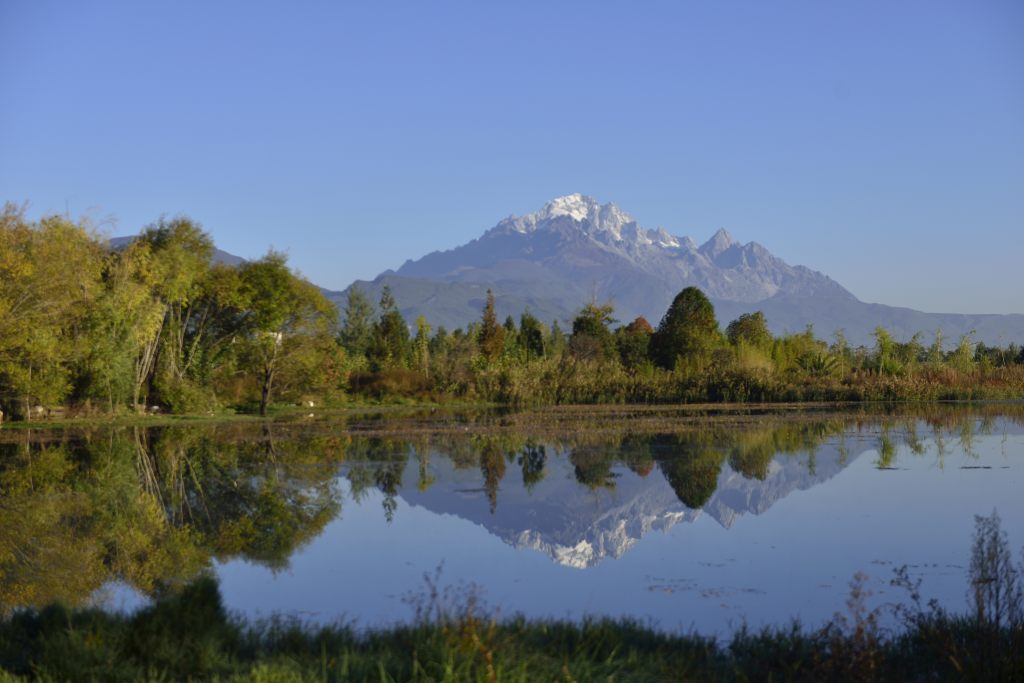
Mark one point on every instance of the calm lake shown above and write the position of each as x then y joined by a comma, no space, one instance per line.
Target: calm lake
683,518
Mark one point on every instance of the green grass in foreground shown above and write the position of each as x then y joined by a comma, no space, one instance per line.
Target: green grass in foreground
191,637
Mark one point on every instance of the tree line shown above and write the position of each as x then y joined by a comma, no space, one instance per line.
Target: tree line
686,358
153,324
157,324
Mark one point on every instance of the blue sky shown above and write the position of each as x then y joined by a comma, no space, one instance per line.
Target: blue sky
879,142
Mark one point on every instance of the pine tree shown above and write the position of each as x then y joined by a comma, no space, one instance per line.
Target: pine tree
390,347
357,326
492,336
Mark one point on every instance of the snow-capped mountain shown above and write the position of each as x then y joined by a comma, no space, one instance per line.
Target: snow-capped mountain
601,248
575,249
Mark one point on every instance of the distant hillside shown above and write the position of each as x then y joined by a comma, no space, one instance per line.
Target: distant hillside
574,250
218,255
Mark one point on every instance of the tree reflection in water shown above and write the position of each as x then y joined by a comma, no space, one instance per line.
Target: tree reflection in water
154,507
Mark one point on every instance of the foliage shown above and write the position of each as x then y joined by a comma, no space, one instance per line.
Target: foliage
389,347
356,333
155,325
152,508
491,336
591,337
49,272
633,342
750,329
689,331
531,336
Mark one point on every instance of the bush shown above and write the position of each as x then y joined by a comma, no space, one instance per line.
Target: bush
397,382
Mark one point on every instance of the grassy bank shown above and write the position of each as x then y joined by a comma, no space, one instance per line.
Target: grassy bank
191,637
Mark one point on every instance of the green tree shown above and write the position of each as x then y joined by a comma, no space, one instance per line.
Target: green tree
440,342
689,331
421,345
840,349
962,357
492,336
935,351
179,259
591,337
49,278
531,336
214,319
123,320
633,342
390,347
357,323
750,329
886,359
556,342
286,320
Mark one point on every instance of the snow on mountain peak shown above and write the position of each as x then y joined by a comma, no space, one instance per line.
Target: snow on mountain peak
605,223
664,239
576,206
603,220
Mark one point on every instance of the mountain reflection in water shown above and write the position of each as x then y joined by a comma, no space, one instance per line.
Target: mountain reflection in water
597,501
152,508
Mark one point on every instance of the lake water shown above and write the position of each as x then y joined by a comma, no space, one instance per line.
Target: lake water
680,518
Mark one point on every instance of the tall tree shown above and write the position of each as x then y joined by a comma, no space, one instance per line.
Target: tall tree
50,275
357,322
591,337
390,346
633,342
492,335
689,331
179,260
531,336
556,341
122,322
286,319
421,345
750,329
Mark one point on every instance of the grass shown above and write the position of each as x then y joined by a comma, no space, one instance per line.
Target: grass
411,421
354,406
190,636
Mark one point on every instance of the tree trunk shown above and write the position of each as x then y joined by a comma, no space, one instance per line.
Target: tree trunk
144,365
268,378
28,397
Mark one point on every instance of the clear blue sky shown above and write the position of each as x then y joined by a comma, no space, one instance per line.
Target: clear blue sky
879,142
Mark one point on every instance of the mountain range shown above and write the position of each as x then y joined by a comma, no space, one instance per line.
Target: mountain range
575,250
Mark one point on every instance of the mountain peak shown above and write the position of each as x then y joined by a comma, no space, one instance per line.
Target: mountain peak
579,207
600,221
718,243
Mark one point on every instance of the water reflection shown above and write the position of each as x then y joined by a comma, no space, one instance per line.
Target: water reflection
153,507
582,502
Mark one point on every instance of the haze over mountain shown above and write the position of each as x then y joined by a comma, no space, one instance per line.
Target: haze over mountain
575,250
